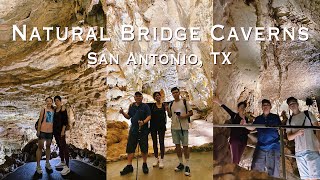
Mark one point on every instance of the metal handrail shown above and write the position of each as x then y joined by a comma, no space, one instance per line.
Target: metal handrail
280,127
268,126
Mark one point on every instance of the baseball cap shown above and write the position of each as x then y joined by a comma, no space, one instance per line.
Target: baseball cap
138,93
291,99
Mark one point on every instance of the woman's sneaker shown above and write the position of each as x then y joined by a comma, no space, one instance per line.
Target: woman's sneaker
156,162
65,170
161,165
60,165
48,166
39,170
187,171
180,167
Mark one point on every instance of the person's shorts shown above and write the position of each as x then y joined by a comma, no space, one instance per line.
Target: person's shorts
308,164
134,138
180,138
47,136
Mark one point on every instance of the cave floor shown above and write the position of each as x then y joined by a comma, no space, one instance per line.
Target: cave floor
200,166
79,171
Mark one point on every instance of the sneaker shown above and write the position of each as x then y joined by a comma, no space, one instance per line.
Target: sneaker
60,165
161,165
126,170
65,170
48,166
187,171
156,162
39,170
145,168
180,167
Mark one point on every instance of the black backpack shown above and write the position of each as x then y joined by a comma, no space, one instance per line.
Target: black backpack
185,106
306,113
36,125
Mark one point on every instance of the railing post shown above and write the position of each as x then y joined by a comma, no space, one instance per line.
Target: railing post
282,155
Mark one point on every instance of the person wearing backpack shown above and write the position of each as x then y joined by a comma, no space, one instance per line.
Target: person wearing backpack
158,127
306,143
238,136
60,125
44,128
180,112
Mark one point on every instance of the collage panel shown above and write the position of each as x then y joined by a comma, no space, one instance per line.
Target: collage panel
48,81
266,103
137,91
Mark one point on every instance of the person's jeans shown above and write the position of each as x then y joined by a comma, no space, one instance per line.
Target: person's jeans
266,161
308,164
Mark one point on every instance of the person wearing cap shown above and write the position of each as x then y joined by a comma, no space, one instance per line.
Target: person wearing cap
140,115
267,153
306,142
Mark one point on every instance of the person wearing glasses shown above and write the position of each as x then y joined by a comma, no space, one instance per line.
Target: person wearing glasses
266,156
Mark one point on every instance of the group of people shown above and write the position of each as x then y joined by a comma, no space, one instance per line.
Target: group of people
53,122
140,114
266,157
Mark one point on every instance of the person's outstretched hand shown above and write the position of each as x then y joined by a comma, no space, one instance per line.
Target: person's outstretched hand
121,111
217,100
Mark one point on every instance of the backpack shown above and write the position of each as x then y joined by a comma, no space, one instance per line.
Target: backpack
36,124
185,106
306,113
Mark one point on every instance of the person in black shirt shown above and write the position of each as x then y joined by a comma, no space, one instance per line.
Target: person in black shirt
158,127
60,123
238,136
140,115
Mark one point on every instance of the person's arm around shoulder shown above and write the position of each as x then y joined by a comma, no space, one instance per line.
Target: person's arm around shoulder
126,115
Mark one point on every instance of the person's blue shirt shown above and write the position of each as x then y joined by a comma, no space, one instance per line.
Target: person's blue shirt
268,138
138,113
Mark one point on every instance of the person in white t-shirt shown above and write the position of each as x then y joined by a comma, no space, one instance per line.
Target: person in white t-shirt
306,141
179,111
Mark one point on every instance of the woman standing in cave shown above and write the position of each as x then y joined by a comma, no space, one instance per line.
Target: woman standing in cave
44,133
60,124
238,136
158,127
